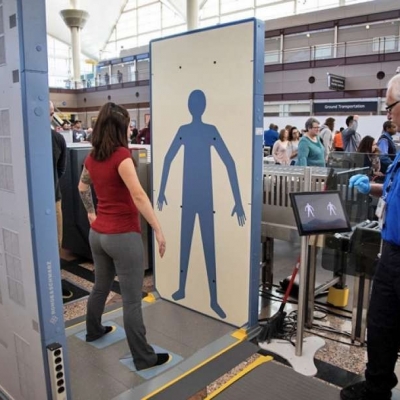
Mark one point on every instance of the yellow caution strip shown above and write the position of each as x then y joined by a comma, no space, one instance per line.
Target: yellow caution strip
237,334
84,322
259,361
150,298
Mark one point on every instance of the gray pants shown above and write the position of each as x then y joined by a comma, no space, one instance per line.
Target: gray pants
120,254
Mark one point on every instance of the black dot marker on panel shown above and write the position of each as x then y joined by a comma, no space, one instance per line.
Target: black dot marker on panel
180,67
215,138
180,138
215,62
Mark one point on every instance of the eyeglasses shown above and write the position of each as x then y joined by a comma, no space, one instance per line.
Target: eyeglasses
390,107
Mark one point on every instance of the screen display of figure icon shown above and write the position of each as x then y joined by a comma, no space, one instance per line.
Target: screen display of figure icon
319,212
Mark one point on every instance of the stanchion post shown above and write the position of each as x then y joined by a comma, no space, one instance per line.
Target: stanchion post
303,276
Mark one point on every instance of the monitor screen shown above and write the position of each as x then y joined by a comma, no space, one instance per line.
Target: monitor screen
319,212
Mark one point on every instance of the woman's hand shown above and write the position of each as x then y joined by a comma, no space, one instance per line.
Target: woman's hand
161,243
91,217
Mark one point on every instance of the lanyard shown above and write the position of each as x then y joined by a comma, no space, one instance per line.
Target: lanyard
391,178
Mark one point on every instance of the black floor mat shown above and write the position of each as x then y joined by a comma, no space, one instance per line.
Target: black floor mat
72,292
73,267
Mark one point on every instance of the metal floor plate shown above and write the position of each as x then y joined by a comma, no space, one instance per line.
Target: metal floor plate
179,330
278,382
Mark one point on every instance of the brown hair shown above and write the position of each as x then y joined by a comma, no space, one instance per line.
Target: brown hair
282,134
330,123
110,131
365,145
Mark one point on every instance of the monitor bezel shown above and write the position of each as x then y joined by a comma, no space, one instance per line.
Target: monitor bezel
297,217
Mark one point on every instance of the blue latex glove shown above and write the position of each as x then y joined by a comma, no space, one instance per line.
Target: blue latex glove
361,183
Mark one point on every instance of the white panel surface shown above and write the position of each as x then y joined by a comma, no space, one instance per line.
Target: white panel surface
21,359
207,61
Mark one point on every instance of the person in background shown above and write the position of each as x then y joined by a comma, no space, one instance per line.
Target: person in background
144,136
351,138
78,134
288,128
383,319
59,166
337,140
279,150
311,152
370,149
107,78
114,236
119,76
294,136
326,135
59,149
89,134
386,144
66,126
134,133
271,135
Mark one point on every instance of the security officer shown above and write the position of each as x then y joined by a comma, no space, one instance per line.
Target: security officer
384,310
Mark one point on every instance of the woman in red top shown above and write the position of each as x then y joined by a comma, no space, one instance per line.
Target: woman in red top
114,237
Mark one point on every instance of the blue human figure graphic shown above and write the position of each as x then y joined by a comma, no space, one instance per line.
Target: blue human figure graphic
197,198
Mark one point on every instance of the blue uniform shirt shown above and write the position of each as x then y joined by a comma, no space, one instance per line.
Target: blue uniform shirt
391,227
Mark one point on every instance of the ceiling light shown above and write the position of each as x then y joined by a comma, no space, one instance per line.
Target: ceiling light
367,27
308,35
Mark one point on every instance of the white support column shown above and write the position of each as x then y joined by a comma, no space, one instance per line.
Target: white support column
192,14
335,41
75,19
76,55
398,40
282,45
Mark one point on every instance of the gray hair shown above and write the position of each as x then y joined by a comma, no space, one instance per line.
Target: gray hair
394,85
310,122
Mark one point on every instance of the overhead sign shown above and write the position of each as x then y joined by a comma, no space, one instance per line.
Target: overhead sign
336,82
345,107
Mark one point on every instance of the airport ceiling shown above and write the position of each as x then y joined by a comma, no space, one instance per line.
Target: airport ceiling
103,15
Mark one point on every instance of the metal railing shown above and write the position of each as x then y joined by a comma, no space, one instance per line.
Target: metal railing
381,45
102,80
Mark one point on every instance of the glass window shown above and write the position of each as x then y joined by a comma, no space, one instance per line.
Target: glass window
323,51
209,22
149,18
263,2
170,18
237,16
128,43
384,43
271,57
174,30
127,25
275,11
145,39
228,6
130,5
210,9
145,2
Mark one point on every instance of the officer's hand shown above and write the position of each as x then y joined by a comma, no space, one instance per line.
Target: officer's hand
361,183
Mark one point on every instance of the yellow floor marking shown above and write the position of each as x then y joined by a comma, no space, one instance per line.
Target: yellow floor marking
259,361
237,334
